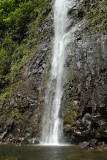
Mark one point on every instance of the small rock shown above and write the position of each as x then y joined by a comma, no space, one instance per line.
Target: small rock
84,145
67,128
87,119
3,135
77,132
93,142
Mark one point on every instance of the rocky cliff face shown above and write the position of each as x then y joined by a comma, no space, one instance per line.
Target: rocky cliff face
85,93
85,96
21,111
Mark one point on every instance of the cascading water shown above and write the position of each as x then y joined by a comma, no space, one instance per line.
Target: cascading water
52,131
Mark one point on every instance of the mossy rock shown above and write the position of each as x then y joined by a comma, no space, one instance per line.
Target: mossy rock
96,15
71,113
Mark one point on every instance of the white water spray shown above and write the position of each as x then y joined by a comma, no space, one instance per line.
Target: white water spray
52,131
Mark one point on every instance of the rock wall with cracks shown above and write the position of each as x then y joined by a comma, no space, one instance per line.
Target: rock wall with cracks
84,103
85,99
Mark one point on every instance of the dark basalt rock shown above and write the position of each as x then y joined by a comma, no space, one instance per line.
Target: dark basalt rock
84,145
87,74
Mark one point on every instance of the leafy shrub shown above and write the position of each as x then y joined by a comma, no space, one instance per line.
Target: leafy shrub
15,19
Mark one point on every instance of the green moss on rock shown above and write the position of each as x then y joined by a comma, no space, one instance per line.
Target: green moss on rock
71,113
96,13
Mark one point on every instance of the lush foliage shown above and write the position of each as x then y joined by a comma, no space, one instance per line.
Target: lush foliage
17,20
97,14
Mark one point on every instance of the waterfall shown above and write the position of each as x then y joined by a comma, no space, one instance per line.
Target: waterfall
52,132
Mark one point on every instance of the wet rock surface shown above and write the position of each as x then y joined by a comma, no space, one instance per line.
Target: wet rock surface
87,85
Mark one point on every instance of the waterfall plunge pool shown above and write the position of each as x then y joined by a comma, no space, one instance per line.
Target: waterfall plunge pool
11,152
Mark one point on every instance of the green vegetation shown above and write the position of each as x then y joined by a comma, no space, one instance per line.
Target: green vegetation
97,14
71,113
20,29
15,114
